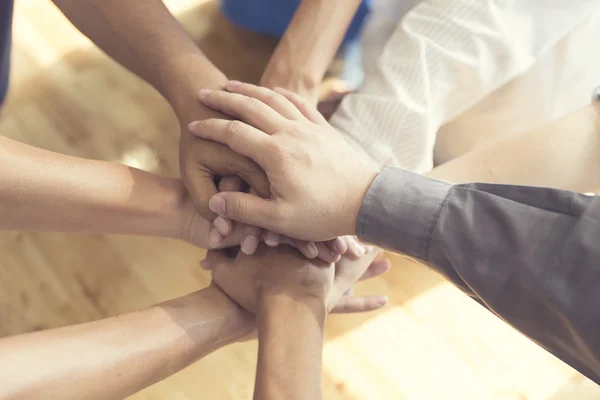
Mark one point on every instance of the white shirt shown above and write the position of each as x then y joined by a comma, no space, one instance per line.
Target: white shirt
464,72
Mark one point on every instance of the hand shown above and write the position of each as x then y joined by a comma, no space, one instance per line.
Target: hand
317,180
186,223
203,162
243,277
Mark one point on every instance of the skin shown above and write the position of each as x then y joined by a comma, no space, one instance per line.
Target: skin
135,350
231,275
299,64
46,191
334,177
303,148
291,296
306,50
146,39
116,357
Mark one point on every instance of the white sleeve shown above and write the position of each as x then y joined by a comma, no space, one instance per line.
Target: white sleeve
443,57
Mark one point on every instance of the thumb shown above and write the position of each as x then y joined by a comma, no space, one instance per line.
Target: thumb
246,208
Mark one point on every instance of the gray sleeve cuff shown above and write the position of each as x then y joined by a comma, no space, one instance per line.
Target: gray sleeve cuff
399,211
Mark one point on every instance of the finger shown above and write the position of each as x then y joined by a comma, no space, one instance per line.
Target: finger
355,249
234,238
238,136
213,259
349,292
351,304
325,253
251,239
247,208
308,249
302,105
376,268
227,184
271,98
272,239
231,184
248,109
204,264
338,245
200,185
203,161
223,225
215,239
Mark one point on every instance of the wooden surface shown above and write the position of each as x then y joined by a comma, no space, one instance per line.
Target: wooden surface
431,342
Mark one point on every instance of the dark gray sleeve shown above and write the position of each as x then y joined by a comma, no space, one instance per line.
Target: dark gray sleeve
530,255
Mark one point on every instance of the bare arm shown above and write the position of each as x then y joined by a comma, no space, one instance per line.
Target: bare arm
563,154
116,357
290,347
309,45
46,191
148,40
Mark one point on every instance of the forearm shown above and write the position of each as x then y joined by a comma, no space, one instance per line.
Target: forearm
115,357
444,57
148,40
309,44
564,154
523,252
46,191
290,348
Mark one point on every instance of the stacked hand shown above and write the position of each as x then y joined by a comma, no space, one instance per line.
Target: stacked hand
208,167
283,270
317,181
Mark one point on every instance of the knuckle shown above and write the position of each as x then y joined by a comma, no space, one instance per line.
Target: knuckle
238,208
248,167
272,98
251,103
233,127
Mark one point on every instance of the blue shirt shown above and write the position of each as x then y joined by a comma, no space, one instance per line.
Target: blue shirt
6,11
273,16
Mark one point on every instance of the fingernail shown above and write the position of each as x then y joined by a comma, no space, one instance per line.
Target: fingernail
340,246
382,300
249,244
204,264
193,124
234,83
312,250
217,204
270,239
204,92
221,225
214,238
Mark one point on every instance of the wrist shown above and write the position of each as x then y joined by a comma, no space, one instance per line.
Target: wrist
281,73
210,318
184,77
349,218
166,208
288,301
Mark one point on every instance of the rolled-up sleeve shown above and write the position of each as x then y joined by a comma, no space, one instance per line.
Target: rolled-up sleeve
530,255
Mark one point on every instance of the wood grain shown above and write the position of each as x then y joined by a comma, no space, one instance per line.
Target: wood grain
431,342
